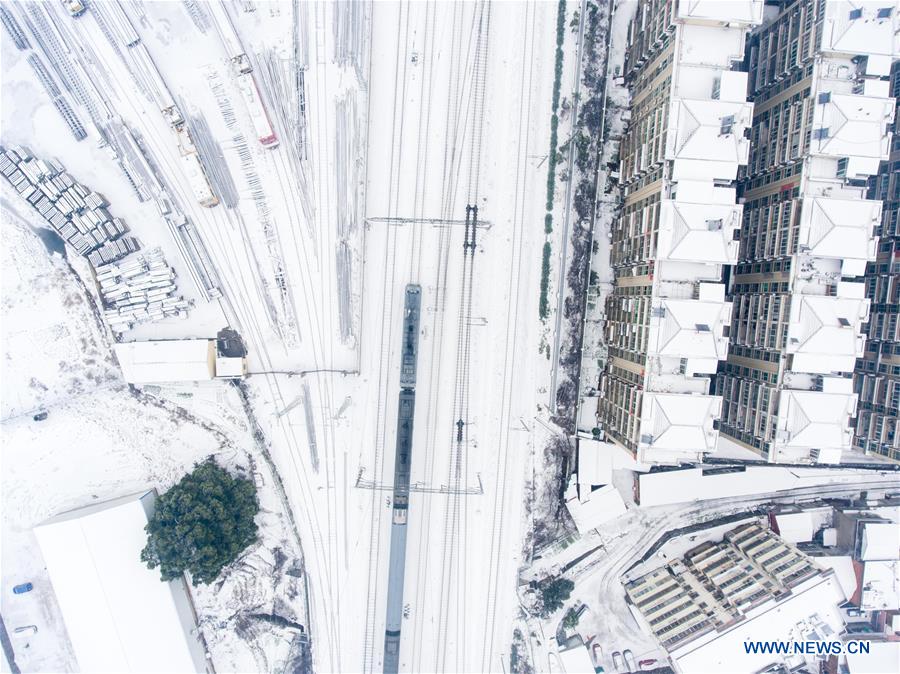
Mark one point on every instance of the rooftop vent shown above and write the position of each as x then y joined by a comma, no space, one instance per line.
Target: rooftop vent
884,12
702,327
824,97
714,225
855,14
844,322
727,124
820,134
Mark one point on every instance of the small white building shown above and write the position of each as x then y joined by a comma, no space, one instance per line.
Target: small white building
119,616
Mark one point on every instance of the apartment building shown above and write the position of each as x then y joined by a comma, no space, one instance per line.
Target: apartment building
877,376
668,320
821,125
701,606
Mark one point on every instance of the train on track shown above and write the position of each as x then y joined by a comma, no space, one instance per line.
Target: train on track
402,462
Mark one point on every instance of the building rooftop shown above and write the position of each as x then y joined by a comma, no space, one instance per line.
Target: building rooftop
812,420
119,616
677,426
167,360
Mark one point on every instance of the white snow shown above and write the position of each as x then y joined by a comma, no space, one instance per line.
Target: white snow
119,616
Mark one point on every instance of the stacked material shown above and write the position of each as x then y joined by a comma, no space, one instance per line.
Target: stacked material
79,215
139,289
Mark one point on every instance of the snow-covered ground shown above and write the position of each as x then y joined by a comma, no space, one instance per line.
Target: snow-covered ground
412,112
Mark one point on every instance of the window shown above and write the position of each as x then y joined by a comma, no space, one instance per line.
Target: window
727,124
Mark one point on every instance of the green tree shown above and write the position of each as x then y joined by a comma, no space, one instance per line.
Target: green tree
201,524
554,592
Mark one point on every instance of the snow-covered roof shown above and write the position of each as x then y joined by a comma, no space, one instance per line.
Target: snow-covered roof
848,30
880,541
824,333
795,527
119,615
810,608
167,360
576,660
698,231
593,508
730,12
692,484
230,367
595,462
881,586
678,425
839,228
882,657
850,125
706,138
689,329
844,571
812,420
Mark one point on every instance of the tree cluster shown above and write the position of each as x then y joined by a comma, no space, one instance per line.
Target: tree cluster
202,524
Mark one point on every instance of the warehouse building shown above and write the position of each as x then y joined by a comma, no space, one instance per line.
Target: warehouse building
821,124
668,320
119,616
178,360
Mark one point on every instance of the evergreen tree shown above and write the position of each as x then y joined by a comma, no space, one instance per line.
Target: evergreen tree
201,524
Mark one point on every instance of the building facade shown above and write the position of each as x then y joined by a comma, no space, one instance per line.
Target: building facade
667,318
818,78
877,376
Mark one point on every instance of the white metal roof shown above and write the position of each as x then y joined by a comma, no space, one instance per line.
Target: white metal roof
880,540
594,507
167,360
689,329
881,586
678,425
577,660
731,12
824,333
839,228
119,615
866,34
795,527
813,420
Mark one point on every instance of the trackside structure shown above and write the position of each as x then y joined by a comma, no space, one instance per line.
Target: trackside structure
176,360
119,616
668,320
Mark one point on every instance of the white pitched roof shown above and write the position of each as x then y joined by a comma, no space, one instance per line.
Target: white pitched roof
732,11
698,232
824,333
695,133
119,615
857,126
839,228
881,540
866,35
690,329
672,421
814,419
166,360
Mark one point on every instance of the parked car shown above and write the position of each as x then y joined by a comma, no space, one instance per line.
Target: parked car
629,660
617,661
23,588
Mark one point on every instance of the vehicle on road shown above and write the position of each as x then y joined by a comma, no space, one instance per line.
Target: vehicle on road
40,416
617,661
629,660
23,588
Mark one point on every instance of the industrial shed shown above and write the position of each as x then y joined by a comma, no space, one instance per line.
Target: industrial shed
167,360
119,616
